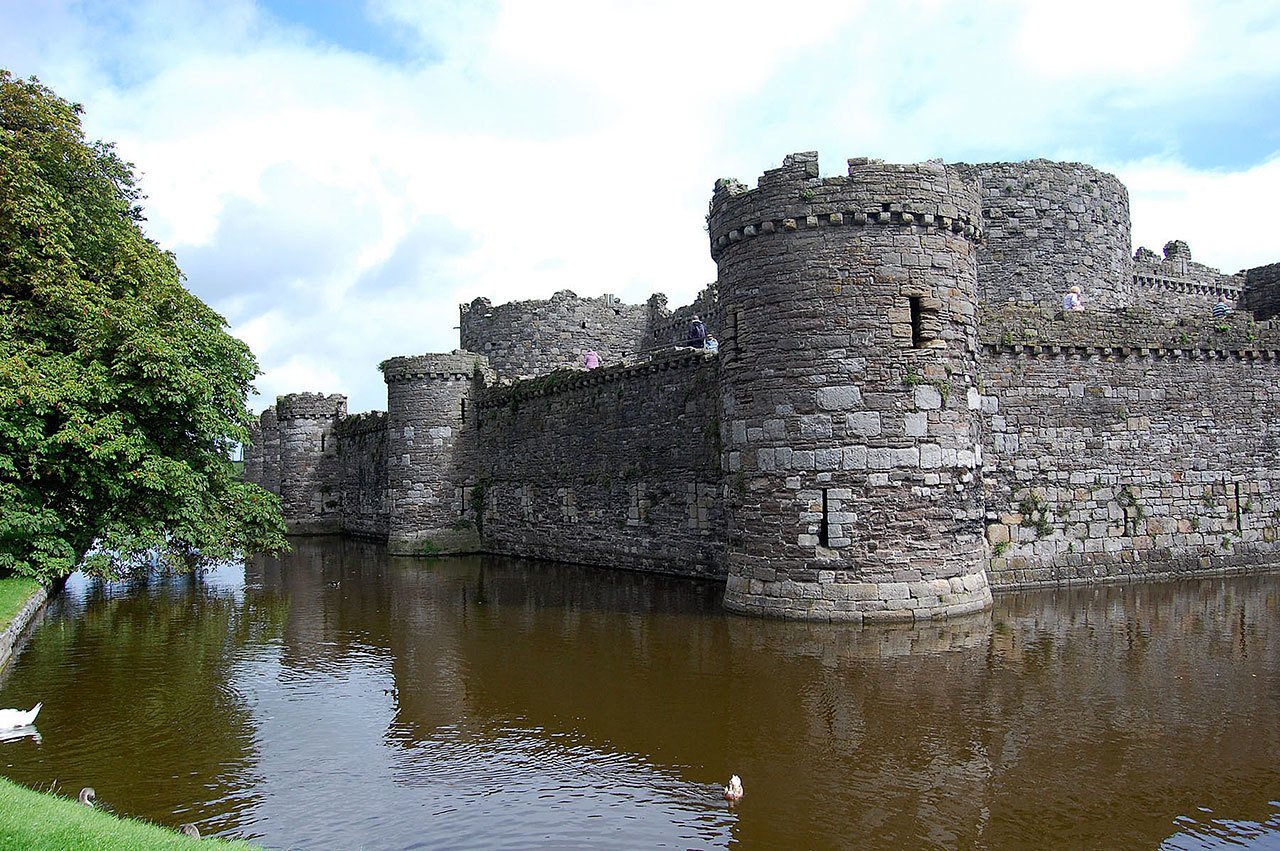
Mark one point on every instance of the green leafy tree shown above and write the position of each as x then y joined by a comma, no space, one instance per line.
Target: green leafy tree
121,394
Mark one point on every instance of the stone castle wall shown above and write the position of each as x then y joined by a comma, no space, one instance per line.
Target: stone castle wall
1051,226
1121,446
530,338
900,417
1174,284
671,327
618,466
1262,291
270,429
362,475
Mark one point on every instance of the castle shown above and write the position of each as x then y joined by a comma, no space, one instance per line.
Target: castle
900,417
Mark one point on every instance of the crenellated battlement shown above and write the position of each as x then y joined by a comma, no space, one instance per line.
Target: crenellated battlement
929,195
456,365
310,406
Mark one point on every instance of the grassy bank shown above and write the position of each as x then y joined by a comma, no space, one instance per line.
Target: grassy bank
32,821
14,591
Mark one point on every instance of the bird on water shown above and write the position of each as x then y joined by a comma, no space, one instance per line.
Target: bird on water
87,796
13,718
733,792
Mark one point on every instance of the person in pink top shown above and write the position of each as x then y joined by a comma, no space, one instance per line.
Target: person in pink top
592,360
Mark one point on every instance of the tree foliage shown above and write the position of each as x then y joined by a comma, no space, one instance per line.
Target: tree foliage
121,393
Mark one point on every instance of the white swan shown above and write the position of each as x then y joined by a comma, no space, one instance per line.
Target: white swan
733,792
13,718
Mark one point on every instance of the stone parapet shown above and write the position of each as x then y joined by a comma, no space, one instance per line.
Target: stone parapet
928,196
310,406
568,380
455,365
1018,326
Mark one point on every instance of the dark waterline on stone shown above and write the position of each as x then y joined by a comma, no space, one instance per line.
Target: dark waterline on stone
339,698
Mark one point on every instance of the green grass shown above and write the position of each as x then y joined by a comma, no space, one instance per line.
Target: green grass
33,821
14,592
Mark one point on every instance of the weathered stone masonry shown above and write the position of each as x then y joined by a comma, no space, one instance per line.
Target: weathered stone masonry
899,419
631,478
852,450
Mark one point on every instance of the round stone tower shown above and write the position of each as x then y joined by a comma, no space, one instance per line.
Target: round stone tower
428,412
1051,226
850,413
309,497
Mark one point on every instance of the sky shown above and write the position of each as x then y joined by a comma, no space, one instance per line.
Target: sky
335,178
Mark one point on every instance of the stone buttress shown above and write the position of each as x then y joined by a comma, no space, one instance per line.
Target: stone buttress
850,427
309,494
429,406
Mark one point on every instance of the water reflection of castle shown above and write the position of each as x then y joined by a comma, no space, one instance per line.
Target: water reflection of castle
898,420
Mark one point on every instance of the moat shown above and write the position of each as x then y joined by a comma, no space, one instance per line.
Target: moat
342,698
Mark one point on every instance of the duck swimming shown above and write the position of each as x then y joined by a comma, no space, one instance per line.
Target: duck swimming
13,718
733,792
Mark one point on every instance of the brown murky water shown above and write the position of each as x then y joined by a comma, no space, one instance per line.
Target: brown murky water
342,699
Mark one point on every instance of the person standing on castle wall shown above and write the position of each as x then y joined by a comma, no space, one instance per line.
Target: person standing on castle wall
697,333
1221,309
1072,300
592,360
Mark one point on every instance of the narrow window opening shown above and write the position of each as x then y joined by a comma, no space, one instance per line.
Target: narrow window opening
462,501
462,409
584,324
736,333
1239,510
322,437
823,527
917,324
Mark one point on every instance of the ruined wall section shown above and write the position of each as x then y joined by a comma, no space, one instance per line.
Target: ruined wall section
362,475
1051,226
522,339
1175,285
617,467
671,327
1129,446
851,440
430,415
1262,291
309,470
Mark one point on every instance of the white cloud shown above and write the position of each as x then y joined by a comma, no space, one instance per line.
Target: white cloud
337,206
1105,38
1224,216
